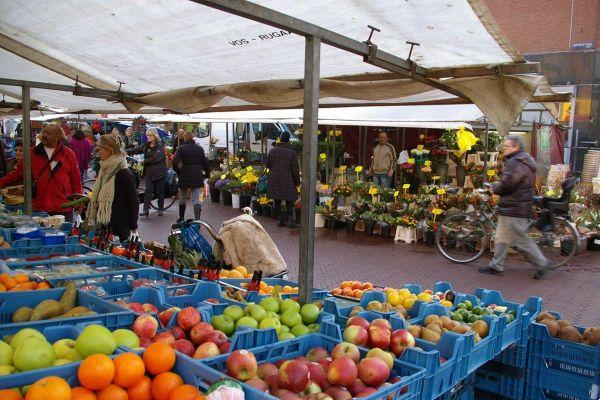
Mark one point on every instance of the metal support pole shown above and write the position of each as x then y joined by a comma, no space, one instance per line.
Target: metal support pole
312,58
485,149
26,103
226,140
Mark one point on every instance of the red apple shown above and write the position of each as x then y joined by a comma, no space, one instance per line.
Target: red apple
217,337
200,331
357,335
241,365
338,393
318,375
188,317
145,342
379,337
383,323
401,339
303,359
345,349
357,387
137,308
359,321
279,364
266,369
384,386
258,383
177,333
342,371
150,308
205,350
224,348
145,326
293,375
383,355
317,353
373,371
284,394
325,362
367,392
184,346
272,381
441,295
318,396
164,337
166,315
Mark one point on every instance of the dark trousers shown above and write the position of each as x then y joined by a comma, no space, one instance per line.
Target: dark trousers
157,185
289,208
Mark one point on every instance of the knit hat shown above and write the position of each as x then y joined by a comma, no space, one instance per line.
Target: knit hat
284,137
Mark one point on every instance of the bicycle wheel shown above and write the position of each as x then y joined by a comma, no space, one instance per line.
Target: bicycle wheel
168,202
558,245
462,238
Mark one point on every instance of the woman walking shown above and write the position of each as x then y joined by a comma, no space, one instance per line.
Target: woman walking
83,151
155,170
284,178
114,204
192,168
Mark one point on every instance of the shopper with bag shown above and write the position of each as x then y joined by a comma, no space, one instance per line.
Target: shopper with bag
83,151
192,168
114,205
284,178
155,170
54,173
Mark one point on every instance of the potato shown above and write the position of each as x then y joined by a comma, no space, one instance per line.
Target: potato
591,335
415,330
544,315
570,333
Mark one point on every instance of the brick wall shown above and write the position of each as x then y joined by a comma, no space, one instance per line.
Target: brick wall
539,26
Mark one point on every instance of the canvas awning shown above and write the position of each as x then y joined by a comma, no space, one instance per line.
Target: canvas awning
186,57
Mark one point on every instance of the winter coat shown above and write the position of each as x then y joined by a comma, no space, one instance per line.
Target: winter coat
384,159
125,206
53,186
284,175
191,165
155,163
83,152
516,187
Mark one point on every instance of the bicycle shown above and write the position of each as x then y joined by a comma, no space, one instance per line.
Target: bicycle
463,237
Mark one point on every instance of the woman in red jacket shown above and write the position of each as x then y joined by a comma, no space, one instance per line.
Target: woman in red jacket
54,173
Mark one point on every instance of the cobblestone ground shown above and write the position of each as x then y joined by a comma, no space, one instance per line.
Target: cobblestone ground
572,290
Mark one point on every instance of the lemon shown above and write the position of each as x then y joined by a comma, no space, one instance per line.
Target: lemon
404,292
426,297
408,303
446,303
394,298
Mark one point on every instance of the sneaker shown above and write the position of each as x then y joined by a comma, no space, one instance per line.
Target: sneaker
490,270
144,214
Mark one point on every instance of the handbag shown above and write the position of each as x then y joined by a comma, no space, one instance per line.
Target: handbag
261,185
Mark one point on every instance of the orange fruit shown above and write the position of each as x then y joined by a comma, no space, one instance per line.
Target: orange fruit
10,394
10,283
21,278
24,286
241,269
96,372
81,393
287,289
141,390
224,273
163,384
159,357
367,285
3,277
43,285
185,392
112,392
2,288
33,284
346,284
49,388
263,285
129,369
235,274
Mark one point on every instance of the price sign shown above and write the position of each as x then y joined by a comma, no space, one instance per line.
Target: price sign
428,163
266,170
373,190
491,172
396,193
249,168
406,186
420,147
223,176
323,156
343,168
441,191
411,160
358,169
436,211
435,177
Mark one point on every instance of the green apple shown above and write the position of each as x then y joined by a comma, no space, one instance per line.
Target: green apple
246,321
291,318
270,323
62,361
270,304
223,323
258,313
33,354
25,334
126,338
284,328
300,330
7,370
65,349
289,304
309,313
272,314
95,339
234,312
285,336
6,353
248,309
314,328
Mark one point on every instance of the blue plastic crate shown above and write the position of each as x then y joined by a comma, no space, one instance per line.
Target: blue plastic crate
100,263
465,390
551,384
493,383
202,292
238,283
567,358
515,356
108,314
48,251
52,236
412,376
341,312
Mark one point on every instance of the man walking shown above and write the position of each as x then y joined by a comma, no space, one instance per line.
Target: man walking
383,164
514,209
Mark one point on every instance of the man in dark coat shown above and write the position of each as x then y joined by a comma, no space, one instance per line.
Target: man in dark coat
514,209
192,168
284,178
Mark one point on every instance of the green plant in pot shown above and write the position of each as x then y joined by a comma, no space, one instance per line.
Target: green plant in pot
369,218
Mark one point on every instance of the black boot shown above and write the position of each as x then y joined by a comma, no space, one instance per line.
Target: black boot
144,213
197,211
181,213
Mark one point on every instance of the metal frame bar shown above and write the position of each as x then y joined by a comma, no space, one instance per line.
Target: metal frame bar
27,146
77,90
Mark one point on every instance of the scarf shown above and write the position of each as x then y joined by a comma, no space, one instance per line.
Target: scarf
100,207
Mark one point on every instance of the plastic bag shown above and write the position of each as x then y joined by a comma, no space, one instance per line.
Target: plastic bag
403,158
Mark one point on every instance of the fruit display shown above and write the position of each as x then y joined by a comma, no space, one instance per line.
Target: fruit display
378,335
407,299
354,289
139,308
563,329
267,289
466,312
65,307
239,272
234,294
20,282
287,317
433,327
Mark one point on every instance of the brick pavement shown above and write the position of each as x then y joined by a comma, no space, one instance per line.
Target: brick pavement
572,290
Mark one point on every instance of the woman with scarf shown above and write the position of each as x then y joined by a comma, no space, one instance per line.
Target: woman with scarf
114,204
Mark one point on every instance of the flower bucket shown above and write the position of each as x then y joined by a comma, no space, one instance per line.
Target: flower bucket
266,211
341,201
275,213
442,170
461,174
226,196
235,200
245,201
385,230
369,226
350,225
319,221
331,223
256,207
215,194
407,235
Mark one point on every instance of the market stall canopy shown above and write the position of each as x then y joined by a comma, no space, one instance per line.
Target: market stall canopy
186,57
434,117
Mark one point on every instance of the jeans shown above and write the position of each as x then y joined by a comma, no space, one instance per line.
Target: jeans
151,186
383,180
289,208
196,195
513,231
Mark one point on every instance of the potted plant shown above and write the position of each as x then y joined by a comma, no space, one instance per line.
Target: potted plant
441,166
494,140
341,192
320,216
385,221
266,206
408,176
215,192
332,215
246,192
406,228
351,218
222,185
369,218
256,207
235,187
